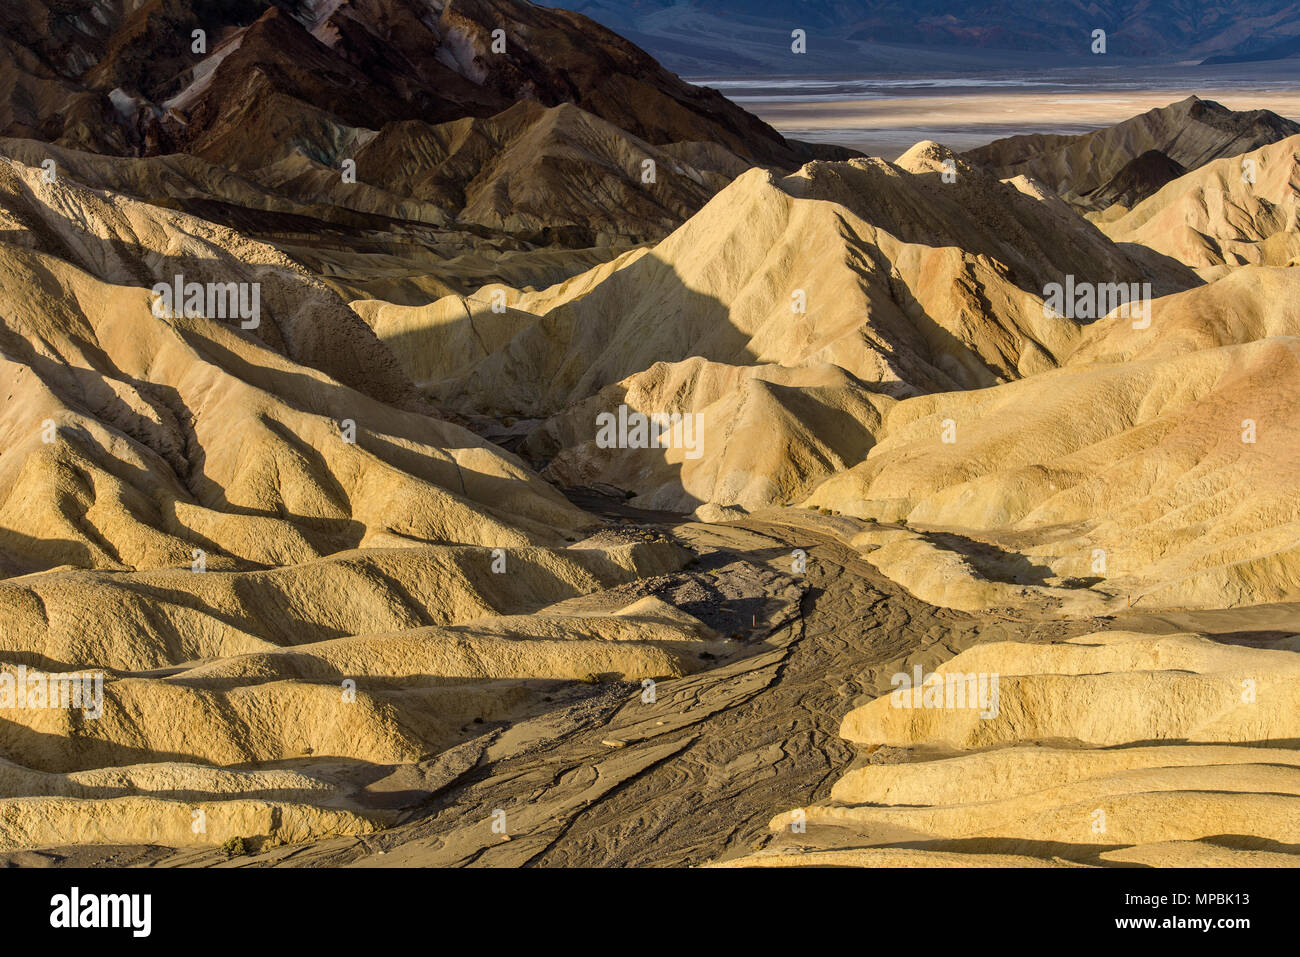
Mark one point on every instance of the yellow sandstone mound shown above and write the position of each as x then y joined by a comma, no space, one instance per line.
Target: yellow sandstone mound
148,438
1110,689
1249,304
1121,473
1110,749
390,698
125,242
900,278
794,306
886,857
268,569
159,618
814,421
45,822
447,336
1236,211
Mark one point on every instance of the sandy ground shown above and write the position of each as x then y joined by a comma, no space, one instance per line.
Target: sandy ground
889,126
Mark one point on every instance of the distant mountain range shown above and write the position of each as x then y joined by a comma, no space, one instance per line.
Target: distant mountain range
742,36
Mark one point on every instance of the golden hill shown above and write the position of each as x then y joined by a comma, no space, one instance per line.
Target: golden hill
1122,471
803,303
1110,749
1235,211
289,576
771,272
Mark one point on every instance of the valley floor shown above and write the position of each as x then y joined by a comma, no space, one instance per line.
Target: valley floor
888,126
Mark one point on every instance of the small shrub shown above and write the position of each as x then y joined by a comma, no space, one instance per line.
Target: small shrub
234,847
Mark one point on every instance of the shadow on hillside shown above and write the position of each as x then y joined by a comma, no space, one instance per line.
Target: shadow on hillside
998,564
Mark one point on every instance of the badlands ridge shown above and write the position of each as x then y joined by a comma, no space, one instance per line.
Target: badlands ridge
359,572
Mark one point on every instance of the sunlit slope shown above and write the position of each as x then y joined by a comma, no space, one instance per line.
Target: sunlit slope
1158,466
1110,749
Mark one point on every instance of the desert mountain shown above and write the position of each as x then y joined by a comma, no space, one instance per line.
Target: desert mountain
126,243
808,300
71,317
532,169
1232,212
1138,179
283,74
394,149
837,263
355,239
1130,161
1139,500
251,530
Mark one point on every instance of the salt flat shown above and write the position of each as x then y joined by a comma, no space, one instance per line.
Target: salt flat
885,116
